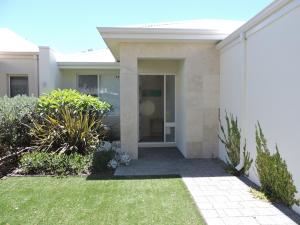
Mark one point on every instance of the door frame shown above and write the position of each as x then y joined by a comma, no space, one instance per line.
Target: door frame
173,124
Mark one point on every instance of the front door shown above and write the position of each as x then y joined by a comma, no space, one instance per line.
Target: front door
157,109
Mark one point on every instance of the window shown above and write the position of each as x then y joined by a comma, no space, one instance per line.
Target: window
88,84
18,85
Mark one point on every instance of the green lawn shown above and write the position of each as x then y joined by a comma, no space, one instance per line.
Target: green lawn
75,200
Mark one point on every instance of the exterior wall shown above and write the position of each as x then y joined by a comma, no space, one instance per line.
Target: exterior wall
271,57
231,86
48,70
199,94
109,91
19,64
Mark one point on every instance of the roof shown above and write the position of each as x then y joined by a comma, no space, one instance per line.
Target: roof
93,59
223,26
12,42
181,31
102,55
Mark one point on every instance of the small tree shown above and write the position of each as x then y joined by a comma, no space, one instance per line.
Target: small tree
232,141
276,181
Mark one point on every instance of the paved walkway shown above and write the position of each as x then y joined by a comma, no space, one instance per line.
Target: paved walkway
220,197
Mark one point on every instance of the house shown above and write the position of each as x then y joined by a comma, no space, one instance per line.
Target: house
170,82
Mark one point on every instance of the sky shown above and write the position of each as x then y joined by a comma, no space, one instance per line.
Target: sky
69,26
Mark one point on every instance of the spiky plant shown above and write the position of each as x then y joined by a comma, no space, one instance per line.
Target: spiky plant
231,138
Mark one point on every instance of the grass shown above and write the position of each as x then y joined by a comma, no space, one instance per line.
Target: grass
76,200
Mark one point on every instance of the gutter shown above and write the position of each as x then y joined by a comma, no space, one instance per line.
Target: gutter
88,65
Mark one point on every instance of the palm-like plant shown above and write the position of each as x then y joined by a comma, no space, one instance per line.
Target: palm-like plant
72,133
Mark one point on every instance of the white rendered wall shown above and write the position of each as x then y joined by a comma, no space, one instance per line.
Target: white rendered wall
48,70
19,64
272,90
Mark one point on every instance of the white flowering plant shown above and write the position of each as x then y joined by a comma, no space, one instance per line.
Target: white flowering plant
120,157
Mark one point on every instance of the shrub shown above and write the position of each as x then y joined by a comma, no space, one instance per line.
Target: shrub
68,134
50,104
232,141
276,181
55,164
15,120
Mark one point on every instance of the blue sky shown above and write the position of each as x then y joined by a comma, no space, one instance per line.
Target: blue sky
70,25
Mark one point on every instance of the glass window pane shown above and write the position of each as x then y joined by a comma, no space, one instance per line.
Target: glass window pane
170,99
88,84
18,86
151,108
109,92
170,134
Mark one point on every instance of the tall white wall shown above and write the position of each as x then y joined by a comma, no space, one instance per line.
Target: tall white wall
48,70
271,94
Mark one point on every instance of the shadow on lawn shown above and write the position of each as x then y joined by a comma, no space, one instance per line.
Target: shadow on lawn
101,176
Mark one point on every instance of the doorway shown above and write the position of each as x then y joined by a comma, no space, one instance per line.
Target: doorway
157,109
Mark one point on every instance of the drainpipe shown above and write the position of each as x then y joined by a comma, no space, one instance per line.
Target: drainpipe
38,73
243,119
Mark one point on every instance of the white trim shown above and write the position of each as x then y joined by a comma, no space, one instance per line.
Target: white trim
156,144
88,65
165,107
160,33
262,19
113,36
18,53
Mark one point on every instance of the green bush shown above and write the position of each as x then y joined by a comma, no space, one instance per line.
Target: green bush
15,120
276,181
55,164
50,104
232,141
69,134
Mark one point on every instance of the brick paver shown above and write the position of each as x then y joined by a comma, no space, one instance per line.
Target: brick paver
220,197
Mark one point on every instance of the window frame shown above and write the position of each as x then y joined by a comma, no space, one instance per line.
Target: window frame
16,75
89,74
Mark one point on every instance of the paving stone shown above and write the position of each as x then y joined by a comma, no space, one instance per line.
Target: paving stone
248,221
209,213
232,212
231,220
215,221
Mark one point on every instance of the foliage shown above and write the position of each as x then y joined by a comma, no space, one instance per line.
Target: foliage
55,164
259,195
232,141
68,134
50,104
14,120
276,181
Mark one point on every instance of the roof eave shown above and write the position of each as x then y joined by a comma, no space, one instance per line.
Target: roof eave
113,36
88,65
